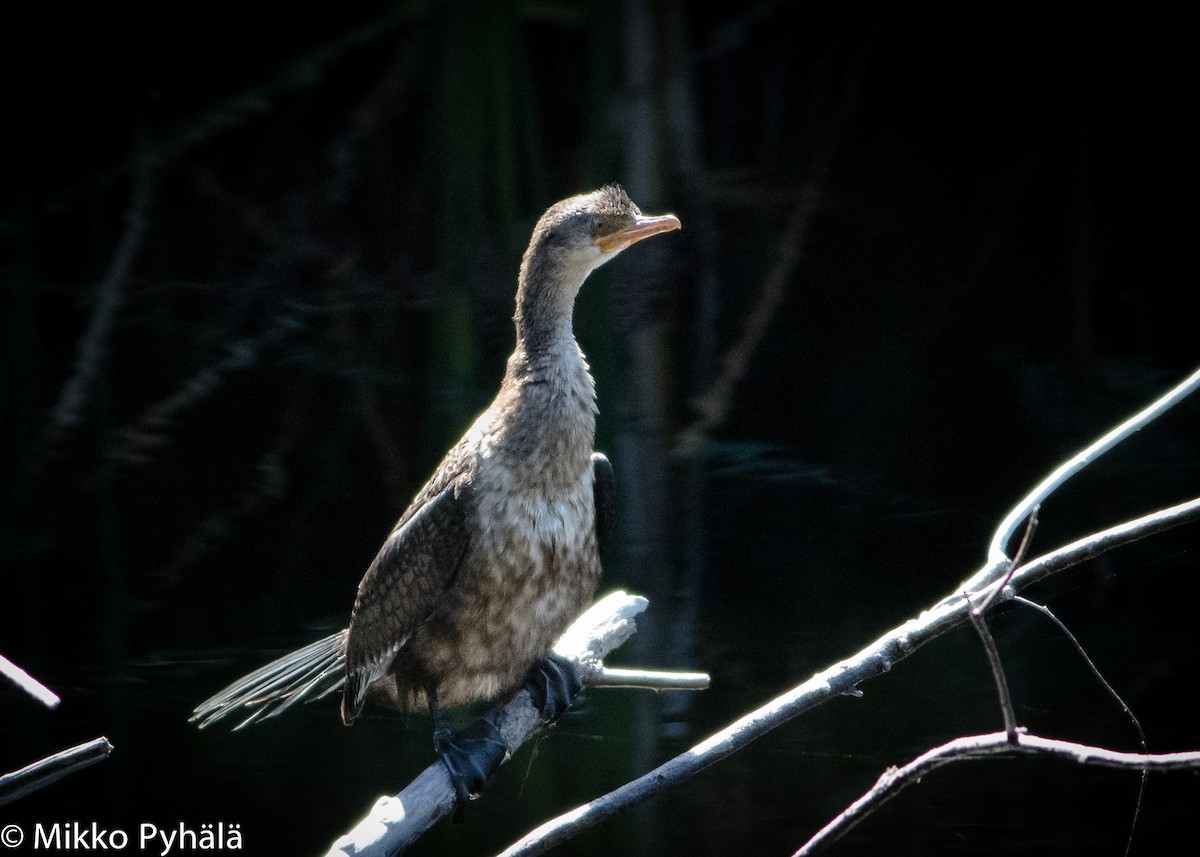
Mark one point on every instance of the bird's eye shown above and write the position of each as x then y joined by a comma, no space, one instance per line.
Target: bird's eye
595,222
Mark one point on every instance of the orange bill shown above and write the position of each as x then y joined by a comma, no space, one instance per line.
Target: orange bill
641,228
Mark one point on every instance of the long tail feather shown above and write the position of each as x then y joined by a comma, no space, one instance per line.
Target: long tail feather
312,672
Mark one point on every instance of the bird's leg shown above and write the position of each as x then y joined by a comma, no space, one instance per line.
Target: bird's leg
553,684
470,755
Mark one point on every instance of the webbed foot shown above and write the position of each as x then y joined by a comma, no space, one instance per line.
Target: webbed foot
471,756
553,684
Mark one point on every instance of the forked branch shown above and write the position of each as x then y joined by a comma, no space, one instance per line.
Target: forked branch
999,578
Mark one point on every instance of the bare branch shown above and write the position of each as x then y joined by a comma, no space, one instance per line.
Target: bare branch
52,768
28,683
396,822
894,780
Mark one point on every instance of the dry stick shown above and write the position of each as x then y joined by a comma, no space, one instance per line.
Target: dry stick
1022,552
394,823
28,683
841,679
997,668
986,746
989,643
48,770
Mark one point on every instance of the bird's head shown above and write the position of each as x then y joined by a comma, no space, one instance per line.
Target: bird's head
576,236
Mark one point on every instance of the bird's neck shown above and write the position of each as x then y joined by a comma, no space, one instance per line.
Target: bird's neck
547,402
546,353
550,359
545,305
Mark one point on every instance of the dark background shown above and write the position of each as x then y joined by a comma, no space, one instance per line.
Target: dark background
258,273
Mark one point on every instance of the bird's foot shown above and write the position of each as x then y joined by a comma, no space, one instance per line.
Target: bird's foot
471,756
553,683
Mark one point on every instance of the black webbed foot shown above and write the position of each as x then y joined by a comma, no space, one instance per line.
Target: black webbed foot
553,684
471,756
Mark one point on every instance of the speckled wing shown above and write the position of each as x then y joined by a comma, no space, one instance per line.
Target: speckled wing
401,589
604,492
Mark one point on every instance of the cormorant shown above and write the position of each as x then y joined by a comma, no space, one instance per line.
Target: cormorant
500,550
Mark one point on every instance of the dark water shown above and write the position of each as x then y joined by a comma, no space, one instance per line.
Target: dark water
995,270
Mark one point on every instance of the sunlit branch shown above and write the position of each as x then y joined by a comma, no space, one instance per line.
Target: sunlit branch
395,822
28,683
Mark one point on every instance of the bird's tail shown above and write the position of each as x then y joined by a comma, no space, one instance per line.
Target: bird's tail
306,674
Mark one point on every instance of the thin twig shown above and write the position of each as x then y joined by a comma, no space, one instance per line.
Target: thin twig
979,621
28,683
1045,611
52,768
997,667
1022,552
894,780
1027,539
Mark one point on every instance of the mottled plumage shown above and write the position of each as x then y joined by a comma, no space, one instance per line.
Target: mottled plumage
500,550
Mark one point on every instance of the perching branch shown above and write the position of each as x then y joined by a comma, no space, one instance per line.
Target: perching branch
894,780
999,578
52,768
394,823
